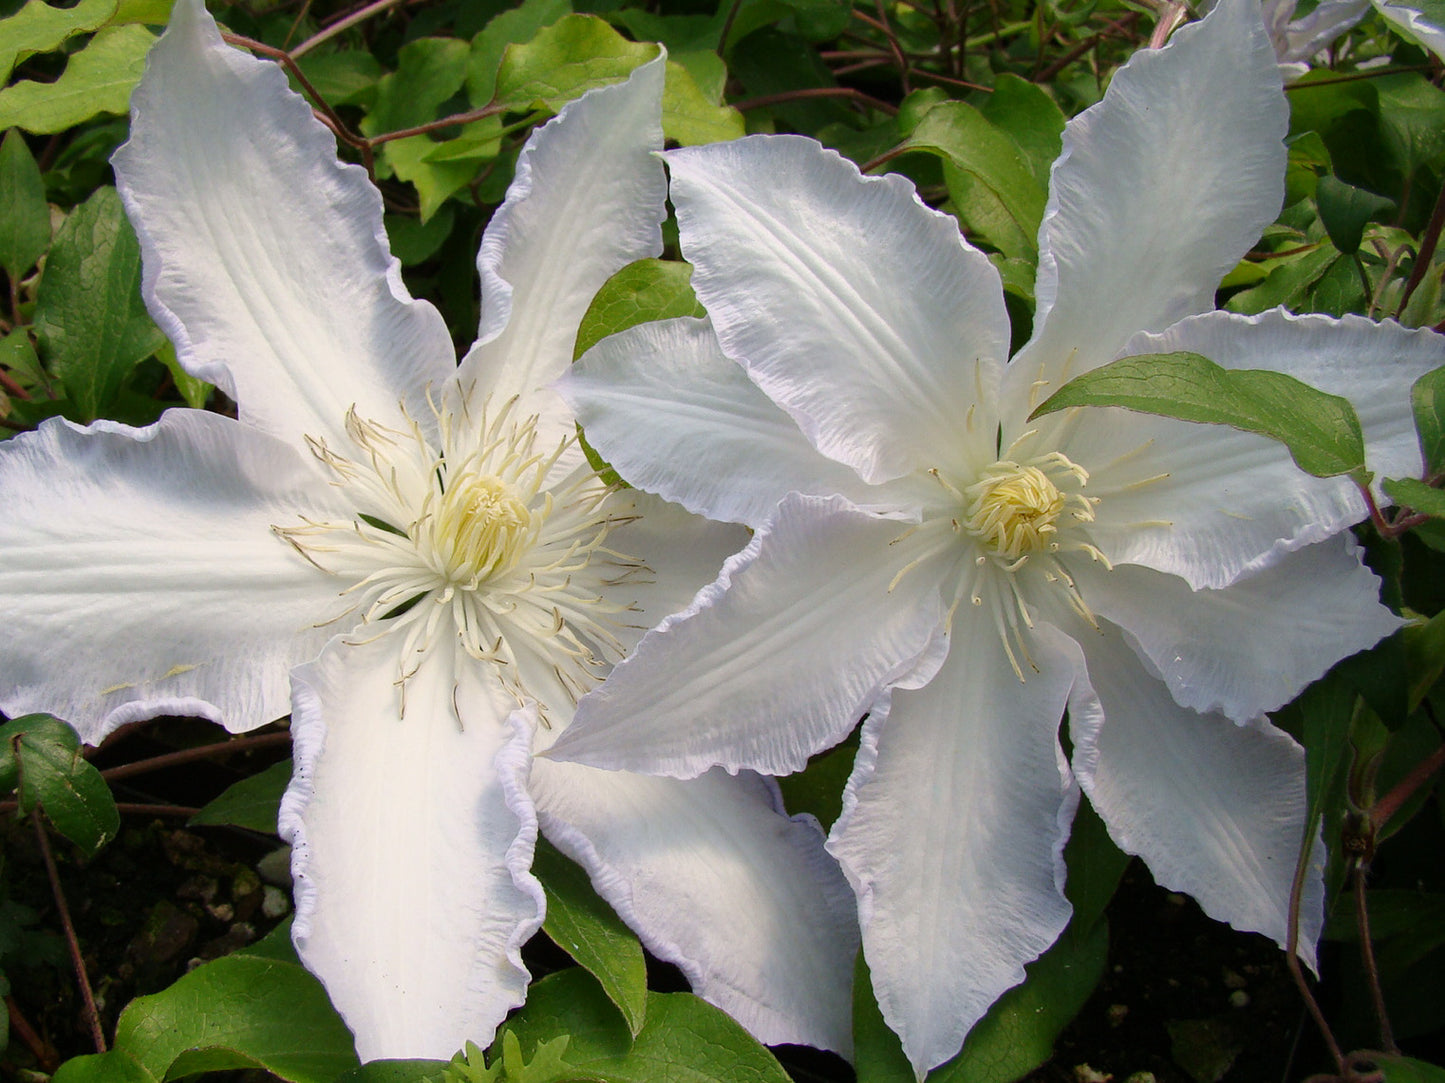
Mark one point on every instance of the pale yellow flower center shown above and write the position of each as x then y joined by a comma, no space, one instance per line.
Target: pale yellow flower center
1014,509
481,528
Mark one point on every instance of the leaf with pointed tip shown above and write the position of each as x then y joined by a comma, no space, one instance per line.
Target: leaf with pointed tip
42,754
25,225
1321,431
564,61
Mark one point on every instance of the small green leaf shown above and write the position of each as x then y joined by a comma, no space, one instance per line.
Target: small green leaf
45,754
429,71
1017,1034
238,1011
98,79
1320,430
511,27
686,1040
89,315
345,78
1408,1070
40,28
1287,283
649,289
689,118
25,225
414,241
193,390
818,788
1413,493
584,926
117,1066
1424,643
1344,210
974,148
396,1071
564,61
1427,398
252,803
420,160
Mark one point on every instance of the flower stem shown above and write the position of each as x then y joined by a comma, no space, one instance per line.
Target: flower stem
92,1016
1427,251
190,755
342,25
1367,957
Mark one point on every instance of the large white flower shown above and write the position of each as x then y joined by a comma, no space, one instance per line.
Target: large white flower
927,556
428,540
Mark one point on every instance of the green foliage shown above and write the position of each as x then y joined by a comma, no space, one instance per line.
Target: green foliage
1320,430
92,324
1427,397
252,803
25,226
564,61
39,28
40,757
649,289
1344,210
584,926
98,79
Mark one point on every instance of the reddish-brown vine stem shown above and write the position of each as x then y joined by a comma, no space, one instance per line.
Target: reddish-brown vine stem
92,1016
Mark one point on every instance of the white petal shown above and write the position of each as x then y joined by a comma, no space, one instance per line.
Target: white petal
859,310
1223,503
141,576
1302,39
777,659
952,835
1416,24
683,553
674,416
265,260
412,835
716,879
587,199
1161,188
1215,809
1252,646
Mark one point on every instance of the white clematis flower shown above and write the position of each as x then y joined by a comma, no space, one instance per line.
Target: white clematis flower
929,557
427,540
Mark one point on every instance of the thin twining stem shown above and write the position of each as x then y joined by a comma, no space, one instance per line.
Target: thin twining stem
342,25
92,1016
190,755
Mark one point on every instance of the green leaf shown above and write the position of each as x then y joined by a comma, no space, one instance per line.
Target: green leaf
1413,493
1408,1070
40,28
89,315
686,1040
1412,119
25,225
414,241
1025,113
429,71
564,61
1320,430
45,755
1287,283
252,803
396,1071
238,1011
584,926
117,1066
345,78
1095,867
1424,643
648,289
689,118
1344,210
414,159
818,788
1427,398
973,148
18,356
1017,1034
192,389
98,79
521,23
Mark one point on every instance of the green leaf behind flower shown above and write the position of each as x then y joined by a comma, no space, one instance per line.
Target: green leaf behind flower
1320,430
564,61
25,222
98,79
42,756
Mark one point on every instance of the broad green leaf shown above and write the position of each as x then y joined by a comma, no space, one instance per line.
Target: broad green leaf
648,289
1427,398
98,79
414,241
564,61
1412,119
429,71
40,28
1322,719
1320,430
413,159
25,223
1287,283
239,1011
512,27
1344,210
706,68
1017,1034
689,118
972,146
117,1066
151,12
252,803
396,1071
685,1040
1424,643
1413,493
192,389
584,926
43,755
1095,867
349,77
818,788
89,316
1025,113
1408,1070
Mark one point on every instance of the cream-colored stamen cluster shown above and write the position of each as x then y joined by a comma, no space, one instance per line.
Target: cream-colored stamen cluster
484,541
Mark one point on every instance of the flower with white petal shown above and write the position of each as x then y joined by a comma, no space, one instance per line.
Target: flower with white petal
929,557
419,553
